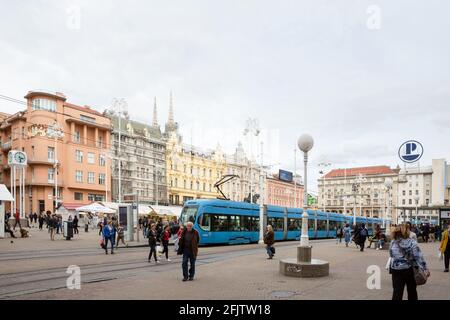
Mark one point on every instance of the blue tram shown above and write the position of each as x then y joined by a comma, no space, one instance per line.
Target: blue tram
231,222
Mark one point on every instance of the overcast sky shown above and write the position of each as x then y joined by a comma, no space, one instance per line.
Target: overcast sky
360,76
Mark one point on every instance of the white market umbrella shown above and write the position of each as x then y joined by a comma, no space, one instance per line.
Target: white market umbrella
95,208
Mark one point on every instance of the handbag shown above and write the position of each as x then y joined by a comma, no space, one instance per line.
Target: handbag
102,243
420,275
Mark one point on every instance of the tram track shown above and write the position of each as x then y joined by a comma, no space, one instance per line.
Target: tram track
16,284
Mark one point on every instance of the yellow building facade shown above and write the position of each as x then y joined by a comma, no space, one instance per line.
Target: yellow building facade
191,173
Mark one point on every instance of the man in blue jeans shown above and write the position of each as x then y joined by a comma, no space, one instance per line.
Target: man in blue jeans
188,247
109,234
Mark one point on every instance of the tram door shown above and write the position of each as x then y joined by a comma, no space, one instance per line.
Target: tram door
444,218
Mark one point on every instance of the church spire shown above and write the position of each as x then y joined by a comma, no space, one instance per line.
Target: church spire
171,117
155,115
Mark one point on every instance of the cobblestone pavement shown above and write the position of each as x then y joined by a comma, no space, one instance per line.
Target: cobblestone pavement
35,268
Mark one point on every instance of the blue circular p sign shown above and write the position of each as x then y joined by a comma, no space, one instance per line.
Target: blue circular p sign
410,151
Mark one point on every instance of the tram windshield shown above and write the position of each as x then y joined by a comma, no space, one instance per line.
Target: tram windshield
188,215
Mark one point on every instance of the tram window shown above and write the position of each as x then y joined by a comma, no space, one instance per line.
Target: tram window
310,225
188,214
205,222
294,225
255,224
276,223
321,225
219,223
333,225
235,223
246,223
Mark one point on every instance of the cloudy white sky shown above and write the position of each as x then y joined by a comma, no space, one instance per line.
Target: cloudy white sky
360,79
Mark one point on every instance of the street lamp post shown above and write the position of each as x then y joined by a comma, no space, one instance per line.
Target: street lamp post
252,127
388,184
417,198
119,106
324,164
304,265
305,144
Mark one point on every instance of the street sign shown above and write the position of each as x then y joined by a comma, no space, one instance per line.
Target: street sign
410,151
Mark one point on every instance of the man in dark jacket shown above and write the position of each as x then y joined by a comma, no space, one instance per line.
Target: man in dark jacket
188,247
269,240
362,234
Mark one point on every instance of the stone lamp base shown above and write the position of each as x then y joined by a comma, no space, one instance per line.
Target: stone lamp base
304,266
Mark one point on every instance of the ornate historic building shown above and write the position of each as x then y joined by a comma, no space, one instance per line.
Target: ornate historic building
247,183
191,172
76,158
141,154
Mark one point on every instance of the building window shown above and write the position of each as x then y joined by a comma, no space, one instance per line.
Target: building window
417,192
79,176
176,182
410,192
404,192
102,160
403,201
101,178
428,192
51,175
50,154
91,158
192,185
410,201
198,185
44,104
79,155
427,201
91,177
78,196
77,137
184,184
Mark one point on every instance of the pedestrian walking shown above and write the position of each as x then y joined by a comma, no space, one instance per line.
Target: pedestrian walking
177,238
165,241
432,233
339,234
411,230
438,233
347,234
444,248
152,236
100,227
41,221
75,225
269,240
58,225
426,233
405,255
17,222
35,218
120,235
189,249
52,224
109,234
362,235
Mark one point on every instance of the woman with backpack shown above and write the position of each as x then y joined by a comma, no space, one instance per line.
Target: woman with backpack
269,240
405,255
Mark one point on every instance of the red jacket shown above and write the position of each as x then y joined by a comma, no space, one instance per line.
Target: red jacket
166,236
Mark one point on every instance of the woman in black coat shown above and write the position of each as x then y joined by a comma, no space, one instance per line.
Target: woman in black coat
152,236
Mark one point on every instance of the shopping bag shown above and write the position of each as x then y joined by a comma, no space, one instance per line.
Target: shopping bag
102,243
388,263
440,255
